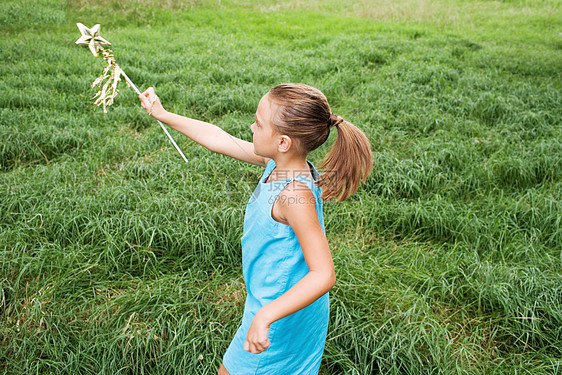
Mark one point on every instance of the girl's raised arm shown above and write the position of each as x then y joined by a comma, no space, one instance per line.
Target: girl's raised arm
207,135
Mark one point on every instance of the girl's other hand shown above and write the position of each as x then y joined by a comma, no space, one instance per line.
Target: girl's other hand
151,103
257,338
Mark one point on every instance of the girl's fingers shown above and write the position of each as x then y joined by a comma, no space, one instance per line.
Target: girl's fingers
144,98
263,346
256,347
249,347
147,95
148,98
257,339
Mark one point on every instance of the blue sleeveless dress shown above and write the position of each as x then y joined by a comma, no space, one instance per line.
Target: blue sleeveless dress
273,262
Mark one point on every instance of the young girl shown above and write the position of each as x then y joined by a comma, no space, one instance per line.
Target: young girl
287,265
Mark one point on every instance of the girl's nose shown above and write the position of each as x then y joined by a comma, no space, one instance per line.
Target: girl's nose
252,127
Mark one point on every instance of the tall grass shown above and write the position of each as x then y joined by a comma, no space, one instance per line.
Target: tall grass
116,257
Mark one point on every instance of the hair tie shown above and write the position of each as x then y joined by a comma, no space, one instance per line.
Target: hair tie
334,120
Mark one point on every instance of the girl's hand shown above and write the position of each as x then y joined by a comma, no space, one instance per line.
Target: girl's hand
256,339
151,103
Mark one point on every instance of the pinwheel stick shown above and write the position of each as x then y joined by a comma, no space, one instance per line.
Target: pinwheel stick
111,74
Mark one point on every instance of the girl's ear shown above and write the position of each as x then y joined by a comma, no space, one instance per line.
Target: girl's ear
285,143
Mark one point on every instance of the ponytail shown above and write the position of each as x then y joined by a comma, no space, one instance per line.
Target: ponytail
347,164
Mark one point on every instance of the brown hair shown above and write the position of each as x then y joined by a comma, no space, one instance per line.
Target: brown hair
304,115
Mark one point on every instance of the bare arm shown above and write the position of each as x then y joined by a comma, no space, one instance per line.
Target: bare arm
297,207
207,135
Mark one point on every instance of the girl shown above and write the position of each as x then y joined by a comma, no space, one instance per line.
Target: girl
287,265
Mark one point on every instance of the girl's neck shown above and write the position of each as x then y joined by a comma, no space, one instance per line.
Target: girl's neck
290,161
290,167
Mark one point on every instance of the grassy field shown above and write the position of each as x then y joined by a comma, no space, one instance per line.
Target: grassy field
116,257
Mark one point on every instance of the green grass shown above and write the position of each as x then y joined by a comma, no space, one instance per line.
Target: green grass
117,257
